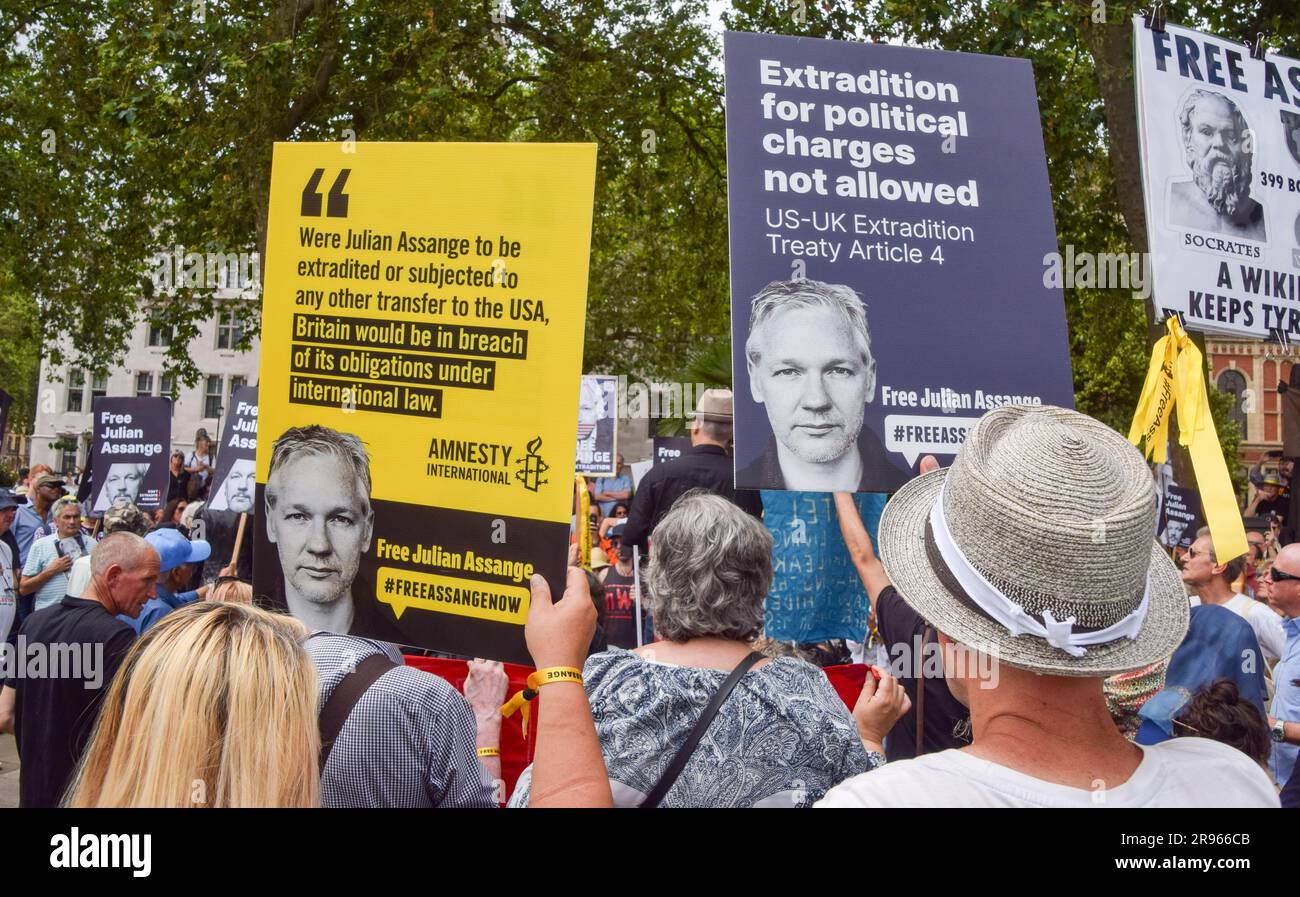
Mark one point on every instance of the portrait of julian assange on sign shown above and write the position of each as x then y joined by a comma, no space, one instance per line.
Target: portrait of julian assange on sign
234,482
1221,181
132,439
891,229
597,425
417,404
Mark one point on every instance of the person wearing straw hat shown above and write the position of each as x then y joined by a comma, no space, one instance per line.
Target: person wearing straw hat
1034,553
706,466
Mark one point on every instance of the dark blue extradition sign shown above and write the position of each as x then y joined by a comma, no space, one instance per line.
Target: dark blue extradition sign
917,180
816,593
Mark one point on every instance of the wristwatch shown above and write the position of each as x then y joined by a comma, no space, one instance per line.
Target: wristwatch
1278,732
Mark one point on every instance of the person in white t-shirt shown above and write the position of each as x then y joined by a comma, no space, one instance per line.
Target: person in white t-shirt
1210,582
199,463
1033,557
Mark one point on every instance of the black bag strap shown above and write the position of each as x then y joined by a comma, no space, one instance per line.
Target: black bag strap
344,697
657,793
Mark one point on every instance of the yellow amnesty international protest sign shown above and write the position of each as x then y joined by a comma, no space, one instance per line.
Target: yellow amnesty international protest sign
422,329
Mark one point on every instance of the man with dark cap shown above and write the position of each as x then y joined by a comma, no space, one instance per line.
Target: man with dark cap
707,465
35,516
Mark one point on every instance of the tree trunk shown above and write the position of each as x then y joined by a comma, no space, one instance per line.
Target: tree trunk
1111,45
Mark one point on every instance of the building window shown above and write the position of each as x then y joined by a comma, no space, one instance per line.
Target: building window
143,385
167,386
76,389
235,383
160,336
212,396
68,460
98,386
229,332
1234,382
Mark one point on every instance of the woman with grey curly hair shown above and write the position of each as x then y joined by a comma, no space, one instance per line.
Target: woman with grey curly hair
781,738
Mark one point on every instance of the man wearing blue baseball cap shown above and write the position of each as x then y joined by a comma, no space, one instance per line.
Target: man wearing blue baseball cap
178,556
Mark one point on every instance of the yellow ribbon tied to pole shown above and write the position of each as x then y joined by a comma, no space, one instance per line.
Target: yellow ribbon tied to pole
584,522
1176,379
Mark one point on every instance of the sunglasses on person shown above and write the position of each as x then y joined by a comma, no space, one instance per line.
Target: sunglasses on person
1276,575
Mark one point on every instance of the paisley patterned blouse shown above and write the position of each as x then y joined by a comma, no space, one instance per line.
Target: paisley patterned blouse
783,737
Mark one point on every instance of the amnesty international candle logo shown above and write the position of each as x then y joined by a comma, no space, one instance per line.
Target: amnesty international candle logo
531,467
423,318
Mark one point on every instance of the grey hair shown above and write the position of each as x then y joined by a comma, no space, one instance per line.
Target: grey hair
317,440
718,430
1232,569
780,296
1193,99
123,549
60,504
710,571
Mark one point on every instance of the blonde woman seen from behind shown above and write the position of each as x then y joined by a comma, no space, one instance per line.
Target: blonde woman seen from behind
215,706
230,590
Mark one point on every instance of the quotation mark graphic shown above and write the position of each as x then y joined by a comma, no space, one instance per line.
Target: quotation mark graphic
338,204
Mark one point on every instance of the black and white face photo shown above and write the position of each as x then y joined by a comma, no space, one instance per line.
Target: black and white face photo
319,518
592,407
236,491
1174,530
810,366
1291,132
121,484
1218,150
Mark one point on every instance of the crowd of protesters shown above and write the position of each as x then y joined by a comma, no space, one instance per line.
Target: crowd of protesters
1029,662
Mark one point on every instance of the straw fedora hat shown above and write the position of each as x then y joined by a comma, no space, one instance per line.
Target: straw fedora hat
1036,547
713,405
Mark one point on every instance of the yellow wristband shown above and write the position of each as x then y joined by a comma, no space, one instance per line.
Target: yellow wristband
489,752
544,676
548,675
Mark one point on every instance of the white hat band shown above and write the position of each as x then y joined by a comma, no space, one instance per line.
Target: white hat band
1059,634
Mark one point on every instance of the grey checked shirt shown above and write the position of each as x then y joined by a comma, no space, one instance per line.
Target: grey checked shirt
409,741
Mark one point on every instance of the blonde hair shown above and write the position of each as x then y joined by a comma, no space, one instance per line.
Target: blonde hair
232,592
215,706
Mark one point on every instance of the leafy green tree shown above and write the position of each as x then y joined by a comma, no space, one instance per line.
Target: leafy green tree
132,127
